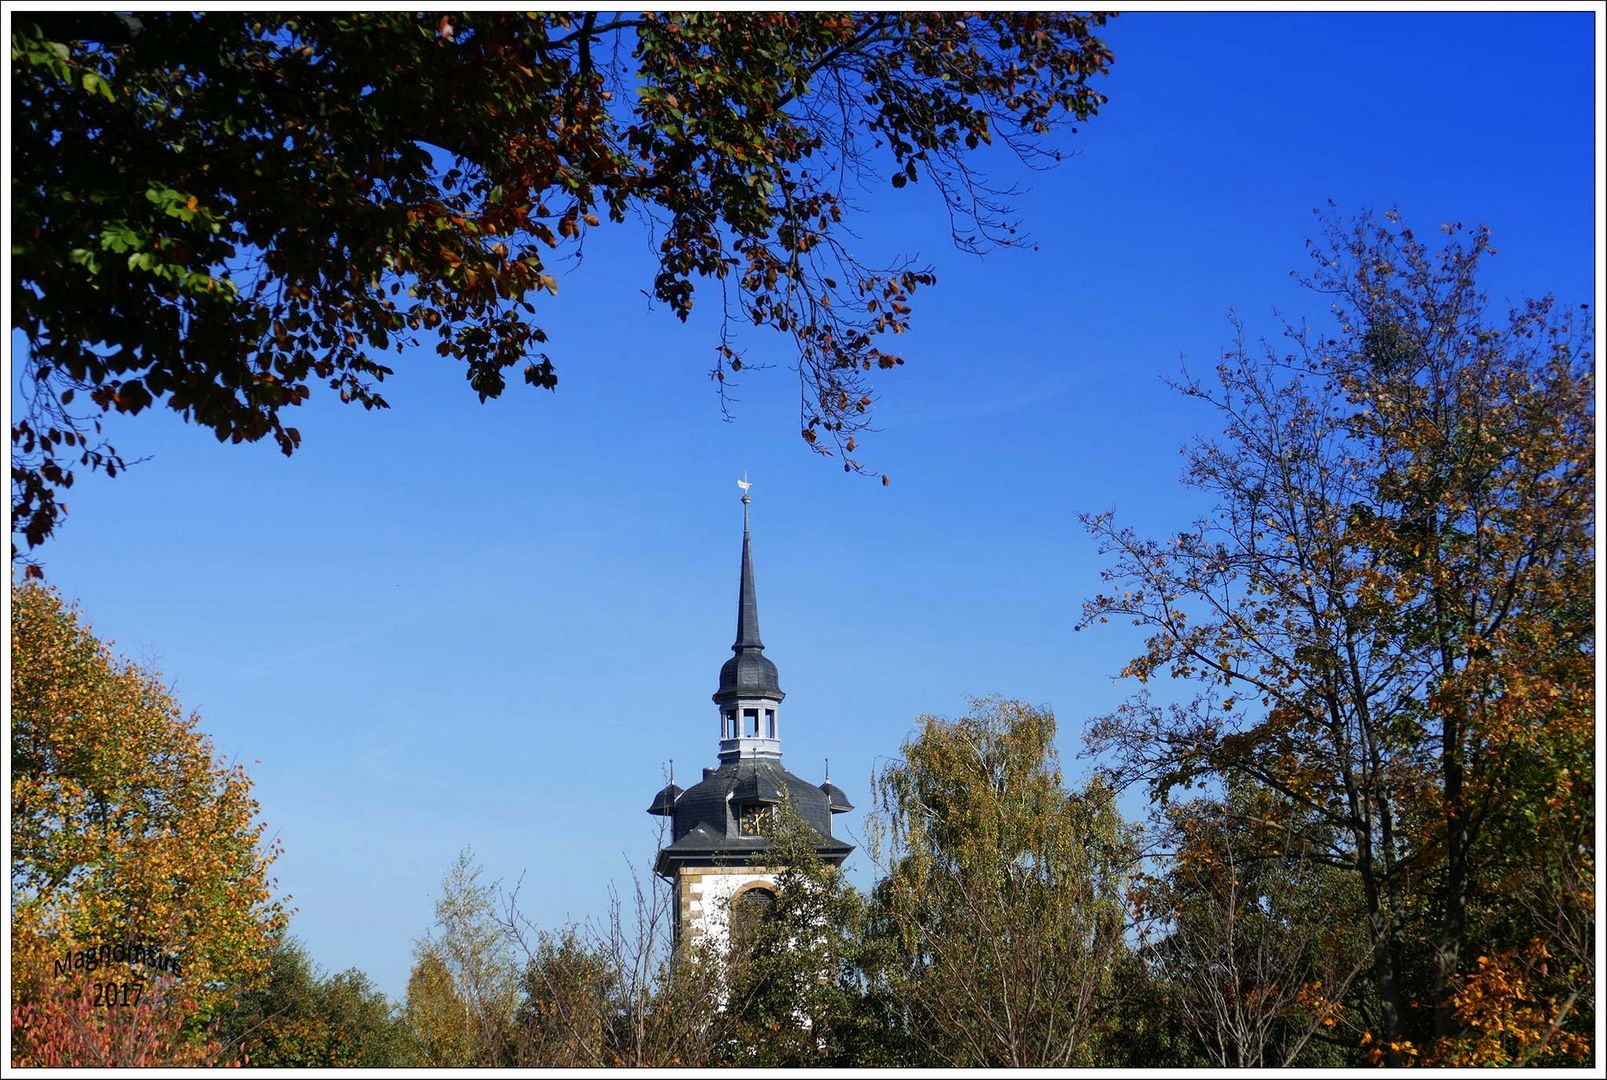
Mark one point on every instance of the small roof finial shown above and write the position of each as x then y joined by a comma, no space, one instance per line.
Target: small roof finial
828,770
745,485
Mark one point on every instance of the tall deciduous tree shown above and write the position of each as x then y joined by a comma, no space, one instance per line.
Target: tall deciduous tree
215,211
464,990
1388,617
125,831
1004,890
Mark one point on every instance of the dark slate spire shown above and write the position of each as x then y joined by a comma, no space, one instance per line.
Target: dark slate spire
749,673
747,600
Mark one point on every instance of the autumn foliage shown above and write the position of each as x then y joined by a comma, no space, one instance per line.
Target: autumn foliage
216,212
129,839
1004,891
1387,628
67,1028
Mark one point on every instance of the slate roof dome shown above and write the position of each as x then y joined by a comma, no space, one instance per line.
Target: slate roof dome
835,798
664,802
706,815
748,674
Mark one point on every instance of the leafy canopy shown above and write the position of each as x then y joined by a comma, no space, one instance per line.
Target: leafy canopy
215,211
299,1018
1386,617
125,829
1004,890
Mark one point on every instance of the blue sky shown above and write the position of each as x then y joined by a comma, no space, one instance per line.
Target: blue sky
452,625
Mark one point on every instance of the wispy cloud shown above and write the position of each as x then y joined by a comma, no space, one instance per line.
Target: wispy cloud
983,406
327,646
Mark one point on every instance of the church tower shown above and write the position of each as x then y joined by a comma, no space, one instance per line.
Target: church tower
717,855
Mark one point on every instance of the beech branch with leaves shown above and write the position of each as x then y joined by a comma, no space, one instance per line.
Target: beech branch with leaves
215,211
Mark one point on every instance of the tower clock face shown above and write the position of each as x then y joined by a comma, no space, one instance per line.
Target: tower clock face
756,819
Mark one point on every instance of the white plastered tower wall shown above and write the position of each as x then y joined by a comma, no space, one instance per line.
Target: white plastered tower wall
703,900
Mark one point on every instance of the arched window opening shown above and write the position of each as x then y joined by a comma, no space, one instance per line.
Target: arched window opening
750,910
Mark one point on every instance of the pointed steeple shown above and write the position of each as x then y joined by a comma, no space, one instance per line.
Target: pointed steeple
749,673
718,844
747,600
